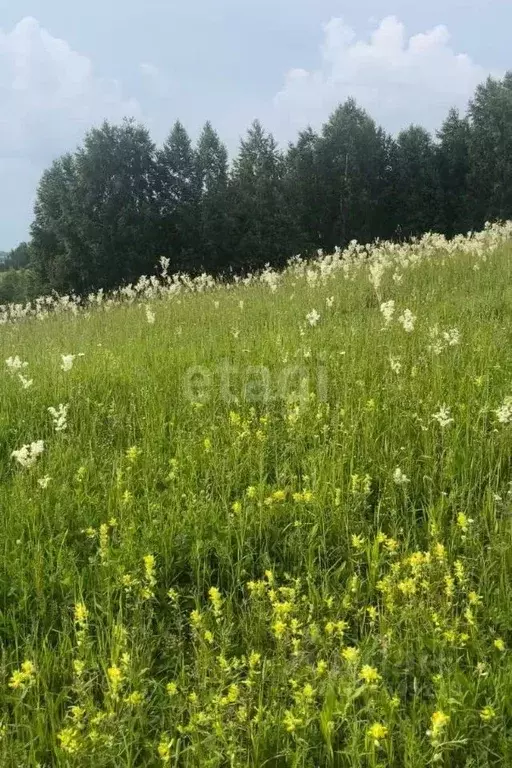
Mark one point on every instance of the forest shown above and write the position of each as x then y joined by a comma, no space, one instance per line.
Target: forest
107,212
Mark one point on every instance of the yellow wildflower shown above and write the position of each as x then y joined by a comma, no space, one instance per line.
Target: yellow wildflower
17,680
28,668
438,721
78,667
216,601
164,750
80,614
115,677
459,571
449,586
487,714
370,675
407,587
196,619
149,568
290,722
321,668
23,677
254,659
69,739
391,545
350,654
134,699
279,628
377,731
463,522
127,497
133,453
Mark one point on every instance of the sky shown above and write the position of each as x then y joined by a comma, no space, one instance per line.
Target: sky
66,66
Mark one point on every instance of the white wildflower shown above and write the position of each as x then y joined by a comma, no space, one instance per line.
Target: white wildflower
407,320
376,273
28,454
399,478
67,362
15,364
388,310
330,302
44,482
164,265
25,383
443,416
436,346
395,363
452,337
60,417
504,412
150,315
313,317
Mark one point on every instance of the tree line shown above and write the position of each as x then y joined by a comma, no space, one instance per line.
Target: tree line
107,212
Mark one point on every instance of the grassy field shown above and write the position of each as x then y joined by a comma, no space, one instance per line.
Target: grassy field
268,524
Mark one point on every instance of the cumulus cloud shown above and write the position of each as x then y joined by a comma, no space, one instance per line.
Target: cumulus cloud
399,79
50,94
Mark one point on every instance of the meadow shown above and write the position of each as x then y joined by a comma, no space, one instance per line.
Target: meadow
266,523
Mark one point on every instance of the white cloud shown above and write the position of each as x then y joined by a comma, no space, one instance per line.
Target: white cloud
50,94
400,80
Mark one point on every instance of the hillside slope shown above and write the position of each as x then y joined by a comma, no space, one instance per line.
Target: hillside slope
266,524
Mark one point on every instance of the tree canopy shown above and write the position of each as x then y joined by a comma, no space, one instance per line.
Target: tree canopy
106,213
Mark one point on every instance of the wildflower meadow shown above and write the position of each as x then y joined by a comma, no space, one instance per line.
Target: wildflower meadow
264,523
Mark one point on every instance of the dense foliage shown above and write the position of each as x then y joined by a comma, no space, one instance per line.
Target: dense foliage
106,213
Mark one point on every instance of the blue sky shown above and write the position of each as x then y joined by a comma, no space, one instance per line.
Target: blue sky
65,66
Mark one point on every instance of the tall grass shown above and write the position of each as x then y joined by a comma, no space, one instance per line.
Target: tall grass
300,566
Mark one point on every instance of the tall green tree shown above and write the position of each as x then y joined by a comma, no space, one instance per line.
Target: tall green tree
211,160
17,258
304,193
416,190
260,218
490,113
352,158
453,164
178,193
95,212
58,253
